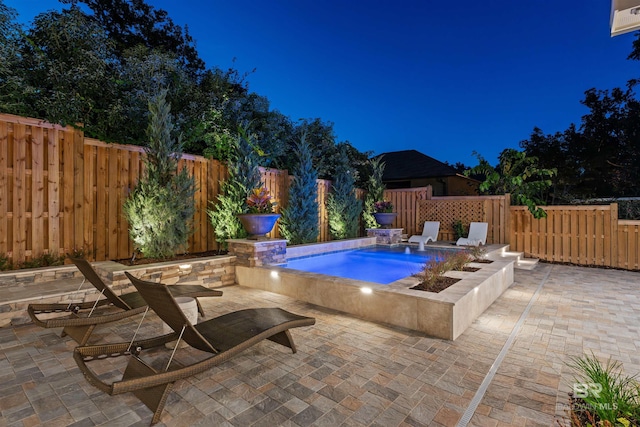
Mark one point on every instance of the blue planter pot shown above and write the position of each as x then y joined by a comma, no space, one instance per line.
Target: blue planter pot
385,219
258,225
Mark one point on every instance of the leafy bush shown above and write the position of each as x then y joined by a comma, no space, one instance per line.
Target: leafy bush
458,229
432,271
457,260
161,207
5,263
476,252
44,260
436,266
299,221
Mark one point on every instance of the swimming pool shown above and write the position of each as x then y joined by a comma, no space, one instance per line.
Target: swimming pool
378,264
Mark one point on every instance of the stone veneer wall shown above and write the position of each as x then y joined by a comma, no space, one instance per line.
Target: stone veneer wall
386,236
60,284
37,275
252,253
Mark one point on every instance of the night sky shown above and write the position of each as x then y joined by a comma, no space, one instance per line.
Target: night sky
444,78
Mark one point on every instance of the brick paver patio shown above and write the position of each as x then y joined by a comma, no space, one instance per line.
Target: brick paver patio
352,372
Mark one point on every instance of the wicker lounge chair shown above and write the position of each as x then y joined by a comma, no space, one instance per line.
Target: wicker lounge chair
82,317
223,337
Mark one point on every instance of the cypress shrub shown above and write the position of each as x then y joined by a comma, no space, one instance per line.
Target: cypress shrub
375,191
244,176
160,208
299,221
343,208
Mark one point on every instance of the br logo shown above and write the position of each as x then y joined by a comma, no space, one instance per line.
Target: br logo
583,390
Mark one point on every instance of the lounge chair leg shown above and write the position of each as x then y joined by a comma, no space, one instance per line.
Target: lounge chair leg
284,338
200,310
153,397
80,334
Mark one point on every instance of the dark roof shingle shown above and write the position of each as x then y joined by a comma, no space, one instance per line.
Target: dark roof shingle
411,164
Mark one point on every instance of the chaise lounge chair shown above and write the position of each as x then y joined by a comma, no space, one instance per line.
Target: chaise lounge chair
477,235
430,231
223,337
79,324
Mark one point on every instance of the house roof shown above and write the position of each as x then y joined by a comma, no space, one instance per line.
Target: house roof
411,164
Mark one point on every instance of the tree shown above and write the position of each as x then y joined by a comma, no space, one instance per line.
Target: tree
559,151
68,61
517,174
161,207
343,208
299,221
14,90
244,176
131,23
375,191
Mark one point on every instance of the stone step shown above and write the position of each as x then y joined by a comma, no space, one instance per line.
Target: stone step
522,263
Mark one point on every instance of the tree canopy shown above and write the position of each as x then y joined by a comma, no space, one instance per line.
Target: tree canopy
99,65
600,156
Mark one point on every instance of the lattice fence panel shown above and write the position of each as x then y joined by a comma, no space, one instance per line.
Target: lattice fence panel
448,211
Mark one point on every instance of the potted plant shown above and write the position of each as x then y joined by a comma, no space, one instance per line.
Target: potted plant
260,218
383,213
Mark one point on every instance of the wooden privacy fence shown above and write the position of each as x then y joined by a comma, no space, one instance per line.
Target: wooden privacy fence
583,235
61,192
493,210
405,203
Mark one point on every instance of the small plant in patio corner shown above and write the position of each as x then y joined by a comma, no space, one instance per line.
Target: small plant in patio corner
602,395
458,229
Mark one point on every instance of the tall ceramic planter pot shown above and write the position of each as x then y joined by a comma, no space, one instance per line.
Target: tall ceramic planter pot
385,219
258,225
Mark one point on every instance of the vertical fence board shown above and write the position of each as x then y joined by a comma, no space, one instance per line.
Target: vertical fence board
114,208
89,202
4,187
54,193
102,179
613,233
37,192
78,190
123,192
19,192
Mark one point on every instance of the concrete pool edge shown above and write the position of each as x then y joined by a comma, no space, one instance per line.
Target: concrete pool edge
444,315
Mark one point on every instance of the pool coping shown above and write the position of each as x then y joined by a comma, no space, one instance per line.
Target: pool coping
444,315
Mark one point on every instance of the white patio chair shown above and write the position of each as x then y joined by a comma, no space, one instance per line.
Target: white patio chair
477,235
429,232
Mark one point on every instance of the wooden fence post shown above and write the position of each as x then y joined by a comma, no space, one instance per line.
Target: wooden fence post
615,261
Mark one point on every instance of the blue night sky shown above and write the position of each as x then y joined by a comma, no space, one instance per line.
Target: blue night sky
442,78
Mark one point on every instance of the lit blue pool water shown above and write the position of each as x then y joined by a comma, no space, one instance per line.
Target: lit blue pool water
372,264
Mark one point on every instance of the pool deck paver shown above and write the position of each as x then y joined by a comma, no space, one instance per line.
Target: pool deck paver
350,372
